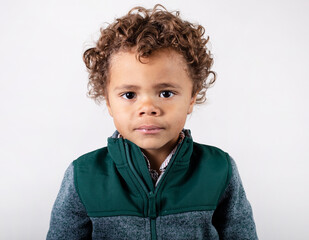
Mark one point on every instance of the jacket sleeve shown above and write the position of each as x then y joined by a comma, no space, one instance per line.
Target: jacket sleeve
233,217
69,218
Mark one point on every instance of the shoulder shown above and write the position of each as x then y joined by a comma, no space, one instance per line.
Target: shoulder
92,163
91,158
208,151
208,148
213,158
219,160
92,154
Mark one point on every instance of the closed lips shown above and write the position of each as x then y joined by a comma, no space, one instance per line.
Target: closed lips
148,128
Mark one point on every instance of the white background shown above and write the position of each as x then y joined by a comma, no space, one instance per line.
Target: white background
257,110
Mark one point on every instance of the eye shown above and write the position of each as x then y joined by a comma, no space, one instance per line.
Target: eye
166,94
128,95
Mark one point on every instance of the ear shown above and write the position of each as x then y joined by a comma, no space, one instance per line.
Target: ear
192,102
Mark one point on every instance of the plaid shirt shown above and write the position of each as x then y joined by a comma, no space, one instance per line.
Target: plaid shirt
153,173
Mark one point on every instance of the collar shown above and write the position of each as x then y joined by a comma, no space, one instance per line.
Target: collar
123,152
153,173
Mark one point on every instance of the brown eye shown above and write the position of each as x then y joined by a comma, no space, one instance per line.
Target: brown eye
166,94
129,95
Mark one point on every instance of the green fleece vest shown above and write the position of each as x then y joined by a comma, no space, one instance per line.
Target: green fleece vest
115,181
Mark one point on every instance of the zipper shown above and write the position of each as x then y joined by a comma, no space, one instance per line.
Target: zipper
152,211
153,230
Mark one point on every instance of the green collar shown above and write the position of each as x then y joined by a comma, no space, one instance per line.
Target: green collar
125,152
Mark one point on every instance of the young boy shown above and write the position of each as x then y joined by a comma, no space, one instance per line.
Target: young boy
151,181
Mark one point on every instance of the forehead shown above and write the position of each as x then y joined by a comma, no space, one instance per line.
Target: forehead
162,64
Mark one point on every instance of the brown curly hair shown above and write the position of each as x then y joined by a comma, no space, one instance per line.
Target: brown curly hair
148,30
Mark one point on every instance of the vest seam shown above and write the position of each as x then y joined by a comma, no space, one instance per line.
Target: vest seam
228,176
194,208
113,211
75,163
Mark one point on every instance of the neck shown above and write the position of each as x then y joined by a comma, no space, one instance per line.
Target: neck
156,159
157,156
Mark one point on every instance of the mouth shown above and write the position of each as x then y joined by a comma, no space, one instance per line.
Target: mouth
149,129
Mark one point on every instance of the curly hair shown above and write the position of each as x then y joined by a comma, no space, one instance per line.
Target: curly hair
148,30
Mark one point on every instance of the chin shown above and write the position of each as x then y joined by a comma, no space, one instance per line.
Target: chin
149,146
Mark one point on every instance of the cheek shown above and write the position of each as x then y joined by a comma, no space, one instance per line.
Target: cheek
179,117
121,116
119,124
115,107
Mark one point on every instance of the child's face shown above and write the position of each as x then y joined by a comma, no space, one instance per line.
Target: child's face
149,102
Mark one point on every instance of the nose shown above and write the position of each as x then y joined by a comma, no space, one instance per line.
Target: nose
149,108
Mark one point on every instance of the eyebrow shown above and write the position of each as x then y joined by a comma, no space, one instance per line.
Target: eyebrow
167,85
157,86
126,87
